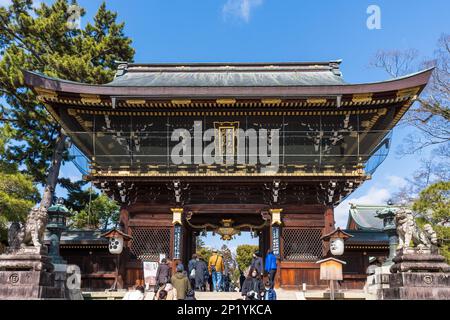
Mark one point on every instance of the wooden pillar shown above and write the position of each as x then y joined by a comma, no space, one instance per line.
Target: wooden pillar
177,237
124,219
328,227
275,241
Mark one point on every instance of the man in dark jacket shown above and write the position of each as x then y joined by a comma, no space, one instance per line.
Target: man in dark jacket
271,266
201,274
163,273
257,263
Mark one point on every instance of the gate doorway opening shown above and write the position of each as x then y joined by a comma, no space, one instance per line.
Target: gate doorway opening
236,253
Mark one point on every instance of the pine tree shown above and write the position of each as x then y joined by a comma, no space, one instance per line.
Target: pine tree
41,39
17,192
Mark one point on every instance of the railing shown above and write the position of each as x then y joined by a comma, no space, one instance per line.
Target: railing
292,151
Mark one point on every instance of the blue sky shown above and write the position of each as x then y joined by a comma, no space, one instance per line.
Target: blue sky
288,30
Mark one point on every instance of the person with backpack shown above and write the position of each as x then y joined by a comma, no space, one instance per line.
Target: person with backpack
192,271
216,268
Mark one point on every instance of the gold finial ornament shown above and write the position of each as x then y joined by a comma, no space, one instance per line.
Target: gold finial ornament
177,215
276,216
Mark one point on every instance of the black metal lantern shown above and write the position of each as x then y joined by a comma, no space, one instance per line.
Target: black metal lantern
389,227
56,224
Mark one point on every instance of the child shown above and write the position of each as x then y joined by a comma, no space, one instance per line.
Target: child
269,292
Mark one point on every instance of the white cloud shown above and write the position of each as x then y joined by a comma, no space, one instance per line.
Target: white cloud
5,3
240,8
396,182
375,196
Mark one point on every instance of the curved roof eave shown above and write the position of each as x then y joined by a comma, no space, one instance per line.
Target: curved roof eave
38,80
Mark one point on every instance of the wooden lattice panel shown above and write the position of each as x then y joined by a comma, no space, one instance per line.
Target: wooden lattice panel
149,243
302,245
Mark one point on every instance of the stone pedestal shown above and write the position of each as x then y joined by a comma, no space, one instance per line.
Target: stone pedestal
71,288
377,281
418,286
418,275
28,274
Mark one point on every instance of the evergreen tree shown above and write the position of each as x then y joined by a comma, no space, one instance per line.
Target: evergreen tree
41,39
433,205
17,192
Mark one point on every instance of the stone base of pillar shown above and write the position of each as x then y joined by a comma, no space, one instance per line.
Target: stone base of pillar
28,274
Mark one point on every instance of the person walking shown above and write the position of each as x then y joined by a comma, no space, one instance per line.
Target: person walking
271,267
192,271
253,288
201,274
180,282
216,268
257,263
163,273
241,279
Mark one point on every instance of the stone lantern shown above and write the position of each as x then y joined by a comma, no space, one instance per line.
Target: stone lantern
116,244
56,224
388,216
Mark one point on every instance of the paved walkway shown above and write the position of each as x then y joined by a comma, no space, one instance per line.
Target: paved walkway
281,295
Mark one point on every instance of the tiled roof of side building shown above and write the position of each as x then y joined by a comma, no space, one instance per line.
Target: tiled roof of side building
80,237
367,238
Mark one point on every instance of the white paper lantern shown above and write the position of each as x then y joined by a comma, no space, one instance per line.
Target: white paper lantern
116,244
337,246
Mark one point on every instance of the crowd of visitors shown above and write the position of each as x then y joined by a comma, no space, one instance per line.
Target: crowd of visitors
212,275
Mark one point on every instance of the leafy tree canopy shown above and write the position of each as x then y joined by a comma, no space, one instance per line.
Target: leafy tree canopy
41,39
100,213
244,255
17,192
433,205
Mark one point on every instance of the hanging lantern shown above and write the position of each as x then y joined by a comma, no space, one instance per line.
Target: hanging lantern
115,246
336,239
117,239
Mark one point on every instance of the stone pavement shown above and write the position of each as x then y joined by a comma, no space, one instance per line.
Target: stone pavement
281,295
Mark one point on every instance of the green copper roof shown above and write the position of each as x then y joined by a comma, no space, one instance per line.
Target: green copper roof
365,217
229,74
58,207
